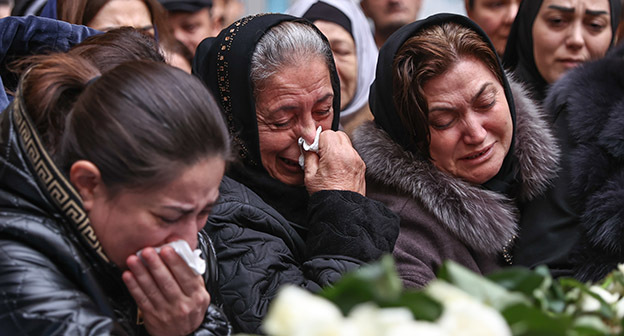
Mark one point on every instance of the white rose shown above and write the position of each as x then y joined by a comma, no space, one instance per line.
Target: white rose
295,312
619,309
464,315
374,321
591,304
471,317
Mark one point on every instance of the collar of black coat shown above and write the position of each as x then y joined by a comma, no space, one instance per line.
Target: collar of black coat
52,182
483,219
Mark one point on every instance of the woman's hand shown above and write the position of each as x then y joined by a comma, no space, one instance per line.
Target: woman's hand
337,166
171,296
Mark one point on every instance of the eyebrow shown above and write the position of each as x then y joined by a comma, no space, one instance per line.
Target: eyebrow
596,12
185,211
561,8
571,10
292,107
483,88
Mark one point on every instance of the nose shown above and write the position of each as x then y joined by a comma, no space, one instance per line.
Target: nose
575,38
511,13
474,132
308,128
187,230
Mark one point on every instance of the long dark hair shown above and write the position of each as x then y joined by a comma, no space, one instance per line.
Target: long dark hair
139,123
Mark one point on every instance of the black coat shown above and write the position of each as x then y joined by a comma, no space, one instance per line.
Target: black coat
259,250
576,228
53,278
591,99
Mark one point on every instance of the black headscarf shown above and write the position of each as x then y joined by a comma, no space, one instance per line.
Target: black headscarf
519,56
223,63
384,110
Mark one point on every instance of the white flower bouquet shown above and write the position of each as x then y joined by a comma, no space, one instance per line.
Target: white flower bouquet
514,301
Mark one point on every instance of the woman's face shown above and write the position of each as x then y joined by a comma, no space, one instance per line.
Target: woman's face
345,56
469,121
132,220
292,104
567,33
120,13
495,17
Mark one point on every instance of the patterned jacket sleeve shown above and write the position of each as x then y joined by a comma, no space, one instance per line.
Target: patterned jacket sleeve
258,250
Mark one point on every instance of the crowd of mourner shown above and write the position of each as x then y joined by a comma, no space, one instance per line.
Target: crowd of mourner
166,166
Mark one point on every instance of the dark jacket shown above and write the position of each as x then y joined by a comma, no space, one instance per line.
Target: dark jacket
259,250
443,217
54,278
24,36
590,100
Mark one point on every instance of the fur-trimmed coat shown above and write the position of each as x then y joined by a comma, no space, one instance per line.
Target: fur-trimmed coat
444,217
591,101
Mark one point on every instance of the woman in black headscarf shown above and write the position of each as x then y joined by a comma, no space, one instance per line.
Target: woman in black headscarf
452,148
278,223
549,37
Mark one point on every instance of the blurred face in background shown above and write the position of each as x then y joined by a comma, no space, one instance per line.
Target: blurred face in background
390,15
567,33
345,56
119,13
495,17
191,28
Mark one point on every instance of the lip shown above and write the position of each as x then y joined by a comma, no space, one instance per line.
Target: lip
479,156
570,62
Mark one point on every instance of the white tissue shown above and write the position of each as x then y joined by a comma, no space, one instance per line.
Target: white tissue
192,258
303,146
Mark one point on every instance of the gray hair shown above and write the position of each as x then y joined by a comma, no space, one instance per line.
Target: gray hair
289,43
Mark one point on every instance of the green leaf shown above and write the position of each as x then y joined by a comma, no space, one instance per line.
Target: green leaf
525,320
518,279
478,286
378,283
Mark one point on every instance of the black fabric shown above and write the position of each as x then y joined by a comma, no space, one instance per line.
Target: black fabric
190,6
228,79
519,56
259,250
387,118
326,12
591,102
53,278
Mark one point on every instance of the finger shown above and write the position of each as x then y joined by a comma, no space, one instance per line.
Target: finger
166,285
311,165
187,280
140,297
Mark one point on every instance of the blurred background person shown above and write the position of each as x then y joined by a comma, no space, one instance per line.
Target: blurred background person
190,21
389,15
6,6
354,50
225,12
495,17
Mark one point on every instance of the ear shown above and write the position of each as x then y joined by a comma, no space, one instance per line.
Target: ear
86,178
